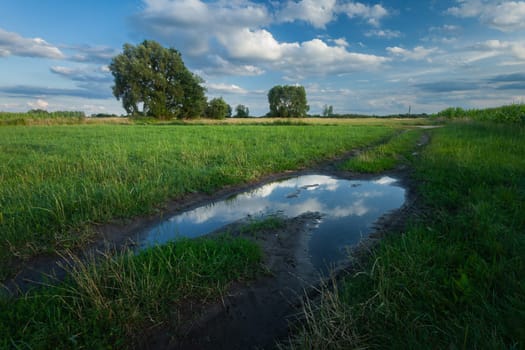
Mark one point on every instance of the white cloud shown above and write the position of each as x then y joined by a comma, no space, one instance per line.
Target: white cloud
16,45
315,57
372,14
38,104
358,208
506,16
466,8
383,33
385,180
225,88
416,54
341,42
247,44
446,28
316,12
491,48
237,30
182,12
192,24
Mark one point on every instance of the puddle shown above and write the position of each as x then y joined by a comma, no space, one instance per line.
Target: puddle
348,209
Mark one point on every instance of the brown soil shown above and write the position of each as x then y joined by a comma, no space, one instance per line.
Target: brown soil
252,315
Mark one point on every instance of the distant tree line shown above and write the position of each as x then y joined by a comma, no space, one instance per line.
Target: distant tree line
42,114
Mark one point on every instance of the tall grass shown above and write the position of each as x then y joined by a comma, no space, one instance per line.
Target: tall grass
514,113
385,156
56,181
118,301
454,279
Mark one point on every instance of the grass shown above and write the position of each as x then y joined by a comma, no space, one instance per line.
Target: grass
57,181
385,156
117,302
269,223
453,279
514,113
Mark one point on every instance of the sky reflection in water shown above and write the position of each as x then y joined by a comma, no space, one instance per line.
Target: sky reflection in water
348,208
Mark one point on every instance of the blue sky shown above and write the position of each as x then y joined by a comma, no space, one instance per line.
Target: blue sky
372,57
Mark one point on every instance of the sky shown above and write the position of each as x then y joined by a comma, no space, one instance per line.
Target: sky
366,57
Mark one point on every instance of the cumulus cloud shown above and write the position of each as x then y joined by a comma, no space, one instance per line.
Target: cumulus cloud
316,12
418,53
194,23
491,48
232,37
16,45
38,104
383,33
506,16
250,45
321,12
372,14
315,57
225,88
341,42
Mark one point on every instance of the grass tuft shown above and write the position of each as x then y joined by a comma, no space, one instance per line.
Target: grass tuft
385,156
116,301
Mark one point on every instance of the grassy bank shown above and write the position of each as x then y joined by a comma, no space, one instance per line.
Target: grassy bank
514,113
119,301
385,156
455,278
55,181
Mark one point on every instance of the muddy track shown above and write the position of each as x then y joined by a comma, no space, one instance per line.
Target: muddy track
256,314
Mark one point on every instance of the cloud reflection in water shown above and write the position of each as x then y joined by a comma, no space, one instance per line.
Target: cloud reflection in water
348,208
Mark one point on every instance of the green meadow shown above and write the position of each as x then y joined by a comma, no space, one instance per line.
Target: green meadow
57,181
452,278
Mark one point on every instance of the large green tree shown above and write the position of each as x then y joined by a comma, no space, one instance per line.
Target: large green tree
156,78
288,101
218,109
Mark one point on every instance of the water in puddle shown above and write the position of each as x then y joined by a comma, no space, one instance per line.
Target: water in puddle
348,209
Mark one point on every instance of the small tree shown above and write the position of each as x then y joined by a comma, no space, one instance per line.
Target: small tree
328,111
156,78
287,101
218,109
241,111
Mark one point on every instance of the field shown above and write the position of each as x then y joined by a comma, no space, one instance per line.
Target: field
57,181
452,278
